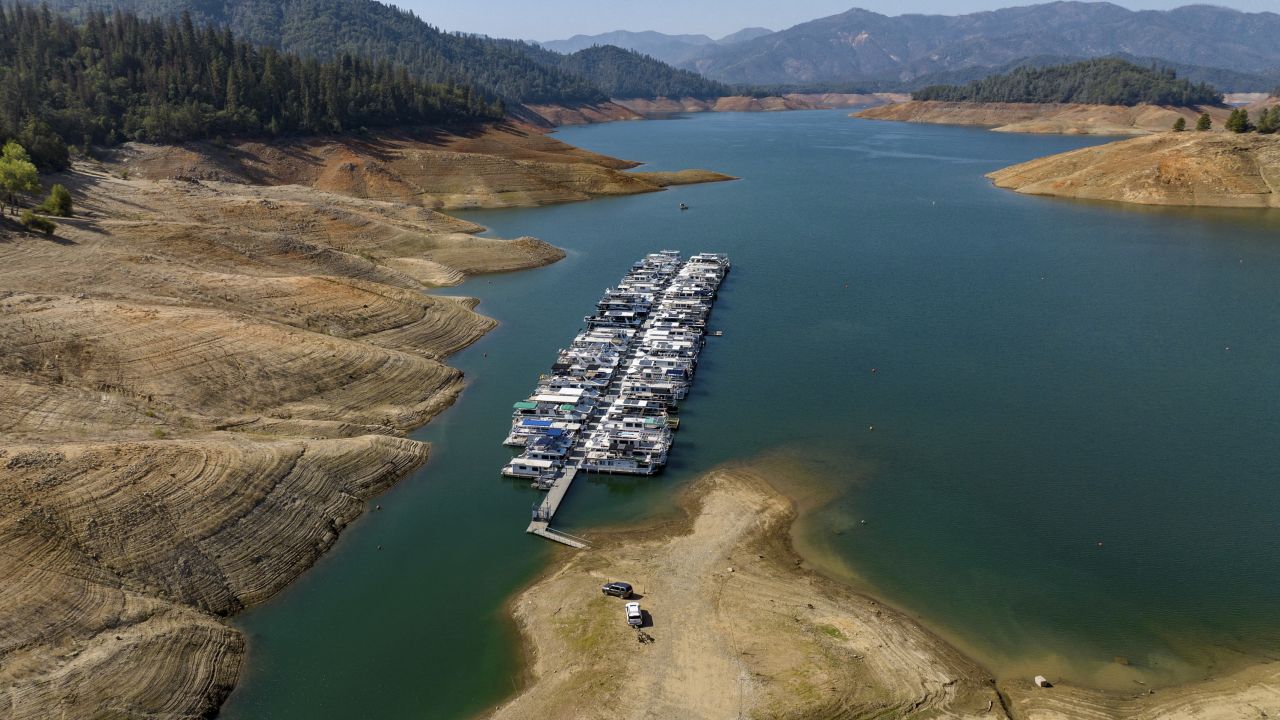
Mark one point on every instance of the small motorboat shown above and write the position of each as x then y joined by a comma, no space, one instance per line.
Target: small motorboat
683,206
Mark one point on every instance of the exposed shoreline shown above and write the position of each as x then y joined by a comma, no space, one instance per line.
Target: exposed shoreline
1173,169
211,369
642,109
1046,118
870,658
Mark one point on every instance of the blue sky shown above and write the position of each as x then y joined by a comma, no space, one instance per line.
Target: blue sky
556,19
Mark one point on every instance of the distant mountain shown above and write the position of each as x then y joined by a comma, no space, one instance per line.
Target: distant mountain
744,35
860,45
672,49
667,48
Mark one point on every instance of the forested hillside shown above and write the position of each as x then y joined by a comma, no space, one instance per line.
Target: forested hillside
628,74
118,77
1226,80
326,29
1101,82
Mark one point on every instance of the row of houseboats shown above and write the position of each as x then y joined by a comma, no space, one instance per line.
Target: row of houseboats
608,403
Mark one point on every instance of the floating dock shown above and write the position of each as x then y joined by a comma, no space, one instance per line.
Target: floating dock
607,405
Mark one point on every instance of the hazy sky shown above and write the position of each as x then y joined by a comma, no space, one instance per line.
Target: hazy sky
557,19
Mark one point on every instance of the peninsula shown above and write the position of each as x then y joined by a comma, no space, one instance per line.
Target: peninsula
1187,168
1095,97
742,626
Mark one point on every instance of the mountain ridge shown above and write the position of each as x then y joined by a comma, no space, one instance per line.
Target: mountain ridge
667,47
860,45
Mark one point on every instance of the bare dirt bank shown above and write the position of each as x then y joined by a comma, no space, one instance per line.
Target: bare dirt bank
1051,118
1200,169
743,629
507,165
640,108
207,372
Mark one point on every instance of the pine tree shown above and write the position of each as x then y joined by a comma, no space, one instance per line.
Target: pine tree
1180,124
1204,122
1269,120
1238,121
46,150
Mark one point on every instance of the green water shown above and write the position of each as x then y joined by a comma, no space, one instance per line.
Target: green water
1051,375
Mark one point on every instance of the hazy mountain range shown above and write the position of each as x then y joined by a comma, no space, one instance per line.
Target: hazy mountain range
672,49
863,46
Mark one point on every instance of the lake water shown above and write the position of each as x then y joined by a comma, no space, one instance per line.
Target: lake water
1075,410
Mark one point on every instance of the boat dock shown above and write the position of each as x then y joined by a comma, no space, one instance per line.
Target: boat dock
607,405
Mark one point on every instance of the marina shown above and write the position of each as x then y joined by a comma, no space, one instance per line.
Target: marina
608,404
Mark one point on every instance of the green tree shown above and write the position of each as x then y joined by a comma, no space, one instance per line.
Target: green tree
17,173
1238,121
48,152
1204,122
58,203
1269,120
1180,124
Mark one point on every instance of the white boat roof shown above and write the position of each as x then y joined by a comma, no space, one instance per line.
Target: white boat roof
559,398
533,462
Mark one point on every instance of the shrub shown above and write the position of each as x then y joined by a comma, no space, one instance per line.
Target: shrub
1180,124
35,223
58,203
1204,122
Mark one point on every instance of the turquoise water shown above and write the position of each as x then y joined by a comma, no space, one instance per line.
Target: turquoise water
1050,376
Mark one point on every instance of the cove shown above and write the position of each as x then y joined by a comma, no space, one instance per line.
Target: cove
1049,376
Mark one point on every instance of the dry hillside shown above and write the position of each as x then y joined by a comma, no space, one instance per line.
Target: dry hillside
207,372
1208,169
